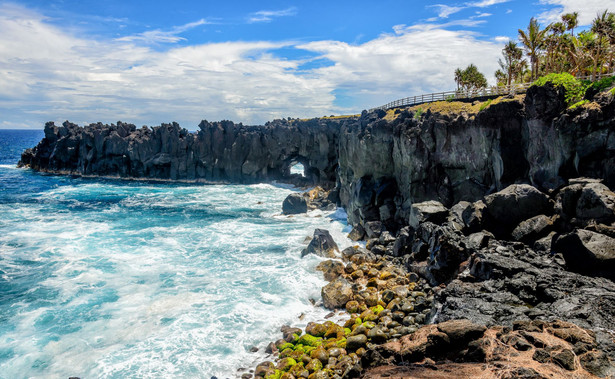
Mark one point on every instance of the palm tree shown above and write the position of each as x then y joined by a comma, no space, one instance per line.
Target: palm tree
571,20
512,61
533,42
458,77
603,26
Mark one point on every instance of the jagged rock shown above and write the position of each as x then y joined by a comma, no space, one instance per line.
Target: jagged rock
294,204
515,203
596,202
432,211
532,229
322,244
337,293
403,242
331,269
374,229
357,233
588,252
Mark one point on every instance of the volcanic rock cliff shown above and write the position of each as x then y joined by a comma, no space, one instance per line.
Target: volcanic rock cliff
219,151
505,215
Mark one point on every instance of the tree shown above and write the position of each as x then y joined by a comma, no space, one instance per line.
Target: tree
571,20
604,27
513,65
458,75
533,42
470,79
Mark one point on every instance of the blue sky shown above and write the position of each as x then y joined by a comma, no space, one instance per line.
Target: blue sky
149,62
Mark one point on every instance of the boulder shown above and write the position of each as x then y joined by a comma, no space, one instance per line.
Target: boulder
432,211
374,229
515,203
587,252
532,229
357,233
337,293
294,204
596,202
322,244
461,332
331,269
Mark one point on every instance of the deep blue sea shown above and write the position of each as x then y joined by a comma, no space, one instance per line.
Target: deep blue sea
126,279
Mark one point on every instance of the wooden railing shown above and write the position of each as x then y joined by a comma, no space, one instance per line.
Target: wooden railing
513,89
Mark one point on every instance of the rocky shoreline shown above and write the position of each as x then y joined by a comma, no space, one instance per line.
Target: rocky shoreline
442,298
502,221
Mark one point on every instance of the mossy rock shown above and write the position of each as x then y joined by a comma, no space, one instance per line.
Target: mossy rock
276,375
369,324
286,364
314,366
309,340
347,331
315,329
285,346
286,353
334,331
377,309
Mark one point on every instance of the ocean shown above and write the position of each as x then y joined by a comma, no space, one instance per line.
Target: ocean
132,279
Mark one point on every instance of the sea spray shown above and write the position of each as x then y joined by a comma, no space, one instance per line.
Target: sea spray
104,278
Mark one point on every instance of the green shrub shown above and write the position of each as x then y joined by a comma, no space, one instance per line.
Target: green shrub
418,113
603,83
484,105
450,98
575,88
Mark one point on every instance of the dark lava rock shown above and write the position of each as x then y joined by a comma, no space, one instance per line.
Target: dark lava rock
515,203
294,204
588,252
432,211
322,244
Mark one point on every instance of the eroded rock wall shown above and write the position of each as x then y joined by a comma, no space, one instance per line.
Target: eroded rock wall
450,158
219,151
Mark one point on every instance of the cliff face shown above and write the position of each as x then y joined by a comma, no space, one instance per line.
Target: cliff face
219,151
381,165
385,166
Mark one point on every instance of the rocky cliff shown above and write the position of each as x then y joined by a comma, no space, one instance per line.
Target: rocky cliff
386,165
219,151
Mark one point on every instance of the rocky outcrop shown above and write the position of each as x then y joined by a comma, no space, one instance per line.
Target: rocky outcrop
387,166
219,151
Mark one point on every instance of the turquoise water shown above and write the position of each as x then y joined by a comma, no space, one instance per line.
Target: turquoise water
119,279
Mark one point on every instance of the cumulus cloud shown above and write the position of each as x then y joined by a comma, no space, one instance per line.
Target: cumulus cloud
588,9
50,73
417,59
268,16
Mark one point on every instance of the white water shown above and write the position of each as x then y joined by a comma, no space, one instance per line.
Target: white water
113,280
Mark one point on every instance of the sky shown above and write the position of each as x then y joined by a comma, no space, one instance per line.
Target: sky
152,62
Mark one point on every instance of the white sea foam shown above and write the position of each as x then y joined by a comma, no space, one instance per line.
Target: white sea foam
121,280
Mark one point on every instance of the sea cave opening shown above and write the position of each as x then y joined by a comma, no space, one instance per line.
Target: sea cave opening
297,169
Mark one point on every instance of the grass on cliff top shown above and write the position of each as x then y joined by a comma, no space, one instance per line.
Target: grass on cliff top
453,107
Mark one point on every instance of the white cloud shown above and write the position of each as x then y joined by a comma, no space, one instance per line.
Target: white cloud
588,9
418,59
48,73
445,10
268,16
160,36
502,39
486,3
